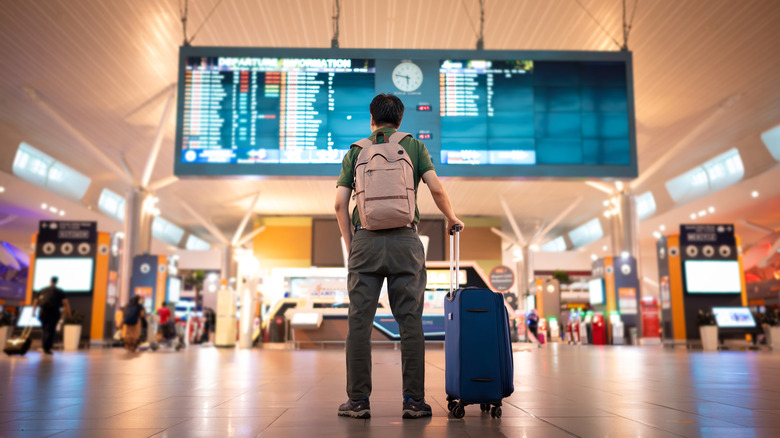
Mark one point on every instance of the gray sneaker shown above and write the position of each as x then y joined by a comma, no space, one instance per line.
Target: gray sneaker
416,408
355,409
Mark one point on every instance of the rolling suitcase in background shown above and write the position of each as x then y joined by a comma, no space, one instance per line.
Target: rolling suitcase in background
19,345
479,367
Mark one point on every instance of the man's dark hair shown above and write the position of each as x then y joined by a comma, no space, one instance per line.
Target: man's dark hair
387,109
54,280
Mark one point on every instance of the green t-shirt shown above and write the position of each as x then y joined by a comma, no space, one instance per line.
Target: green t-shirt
418,153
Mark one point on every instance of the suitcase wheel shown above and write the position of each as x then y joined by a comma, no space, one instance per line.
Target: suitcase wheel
484,407
451,403
459,411
495,412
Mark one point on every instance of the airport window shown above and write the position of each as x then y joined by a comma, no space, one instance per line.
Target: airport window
556,245
586,233
112,205
771,140
194,243
166,231
716,174
38,168
645,205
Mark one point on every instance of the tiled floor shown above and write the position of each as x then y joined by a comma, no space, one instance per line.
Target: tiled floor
560,391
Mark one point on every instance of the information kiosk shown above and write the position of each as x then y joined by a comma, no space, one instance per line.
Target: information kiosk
78,255
698,269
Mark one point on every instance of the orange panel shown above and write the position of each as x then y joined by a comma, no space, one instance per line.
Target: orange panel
676,288
162,282
31,271
101,287
741,271
283,242
540,297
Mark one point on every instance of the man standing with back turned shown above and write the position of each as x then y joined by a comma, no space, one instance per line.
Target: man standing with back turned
50,300
377,252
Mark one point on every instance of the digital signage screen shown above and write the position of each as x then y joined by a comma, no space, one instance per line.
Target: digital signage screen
596,291
713,277
296,112
733,317
75,274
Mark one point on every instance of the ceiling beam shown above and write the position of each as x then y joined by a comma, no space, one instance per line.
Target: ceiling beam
118,171
157,185
206,224
158,137
512,221
245,219
557,219
250,236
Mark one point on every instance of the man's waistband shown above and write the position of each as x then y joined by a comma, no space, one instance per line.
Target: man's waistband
412,226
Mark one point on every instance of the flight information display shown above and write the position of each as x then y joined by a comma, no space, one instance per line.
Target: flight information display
526,113
498,114
274,110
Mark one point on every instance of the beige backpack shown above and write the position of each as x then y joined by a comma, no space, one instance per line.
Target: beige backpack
384,184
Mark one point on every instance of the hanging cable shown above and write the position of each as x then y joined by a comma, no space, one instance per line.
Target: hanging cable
334,42
465,9
204,21
481,39
183,14
627,26
598,23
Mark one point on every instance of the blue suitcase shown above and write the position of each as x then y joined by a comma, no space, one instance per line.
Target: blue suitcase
479,367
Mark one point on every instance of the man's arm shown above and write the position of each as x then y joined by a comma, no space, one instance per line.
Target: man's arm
442,199
66,308
342,214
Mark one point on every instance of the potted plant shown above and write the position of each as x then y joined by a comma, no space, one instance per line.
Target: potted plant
772,329
5,327
708,331
71,333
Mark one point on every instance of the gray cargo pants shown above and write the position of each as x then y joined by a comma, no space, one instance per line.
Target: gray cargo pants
396,254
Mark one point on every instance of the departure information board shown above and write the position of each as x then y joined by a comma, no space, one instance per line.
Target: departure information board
296,112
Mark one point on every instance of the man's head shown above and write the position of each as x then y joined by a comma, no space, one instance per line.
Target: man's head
386,111
54,280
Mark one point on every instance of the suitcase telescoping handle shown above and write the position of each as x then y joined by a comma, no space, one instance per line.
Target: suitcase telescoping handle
454,261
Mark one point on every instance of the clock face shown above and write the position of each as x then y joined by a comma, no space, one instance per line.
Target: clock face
407,76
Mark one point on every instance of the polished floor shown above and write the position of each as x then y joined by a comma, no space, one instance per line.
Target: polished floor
561,391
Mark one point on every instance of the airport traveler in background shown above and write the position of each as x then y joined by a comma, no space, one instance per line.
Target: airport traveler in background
532,320
395,254
132,316
50,299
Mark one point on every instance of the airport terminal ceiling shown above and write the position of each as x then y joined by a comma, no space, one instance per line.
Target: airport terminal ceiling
703,77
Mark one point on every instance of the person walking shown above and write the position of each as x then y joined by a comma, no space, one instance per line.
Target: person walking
132,315
377,252
50,300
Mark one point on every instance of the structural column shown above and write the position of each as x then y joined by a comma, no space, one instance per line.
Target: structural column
138,236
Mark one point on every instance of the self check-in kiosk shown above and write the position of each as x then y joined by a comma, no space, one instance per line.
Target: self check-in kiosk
78,255
698,269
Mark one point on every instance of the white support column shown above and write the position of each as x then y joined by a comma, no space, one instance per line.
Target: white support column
157,142
138,237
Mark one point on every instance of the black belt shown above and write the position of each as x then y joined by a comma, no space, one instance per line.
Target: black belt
412,226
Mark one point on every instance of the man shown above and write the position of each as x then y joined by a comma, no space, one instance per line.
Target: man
395,254
50,300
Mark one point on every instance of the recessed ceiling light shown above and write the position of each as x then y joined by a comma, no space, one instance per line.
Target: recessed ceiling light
662,227
604,247
702,213
44,206
53,209
711,209
606,203
624,254
607,213
62,212
656,234
594,257
754,194
2,189
693,215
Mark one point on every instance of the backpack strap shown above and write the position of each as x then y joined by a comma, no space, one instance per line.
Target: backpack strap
397,136
362,144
